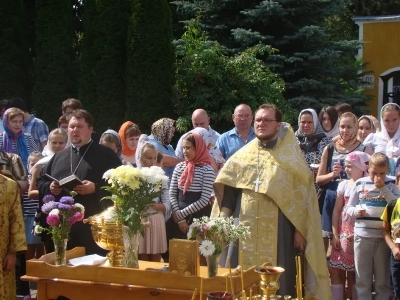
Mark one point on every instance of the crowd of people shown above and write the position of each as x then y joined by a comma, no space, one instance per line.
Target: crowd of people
328,190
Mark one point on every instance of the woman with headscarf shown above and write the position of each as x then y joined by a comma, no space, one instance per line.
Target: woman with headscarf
129,133
331,169
111,139
388,139
312,141
191,184
13,139
162,132
328,118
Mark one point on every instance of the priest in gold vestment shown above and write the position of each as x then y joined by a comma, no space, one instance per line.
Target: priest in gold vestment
269,185
12,232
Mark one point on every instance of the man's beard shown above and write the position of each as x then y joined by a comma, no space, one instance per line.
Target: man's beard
267,138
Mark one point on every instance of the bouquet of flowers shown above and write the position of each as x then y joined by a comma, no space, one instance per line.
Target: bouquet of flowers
133,191
215,234
61,216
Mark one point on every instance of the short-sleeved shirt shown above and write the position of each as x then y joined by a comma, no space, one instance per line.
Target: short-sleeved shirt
391,215
38,130
229,142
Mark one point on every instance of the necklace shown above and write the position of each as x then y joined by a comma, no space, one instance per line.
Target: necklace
77,166
257,182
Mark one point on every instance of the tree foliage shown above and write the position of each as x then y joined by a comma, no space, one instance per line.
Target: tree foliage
103,61
208,78
14,54
55,69
150,72
317,70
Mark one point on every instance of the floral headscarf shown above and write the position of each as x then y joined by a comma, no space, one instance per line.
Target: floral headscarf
162,130
19,138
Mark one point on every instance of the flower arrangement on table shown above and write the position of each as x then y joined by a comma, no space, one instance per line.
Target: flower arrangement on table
133,191
215,234
61,215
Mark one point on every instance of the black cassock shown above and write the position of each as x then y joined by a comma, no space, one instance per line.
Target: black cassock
89,163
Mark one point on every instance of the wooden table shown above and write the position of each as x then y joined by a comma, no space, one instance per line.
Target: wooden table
110,283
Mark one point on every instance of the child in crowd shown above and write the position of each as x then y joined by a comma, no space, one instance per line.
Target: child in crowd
391,234
367,203
154,241
30,206
342,255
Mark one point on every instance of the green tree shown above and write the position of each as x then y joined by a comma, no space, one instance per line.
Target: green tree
54,66
208,78
150,72
315,68
14,54
103,61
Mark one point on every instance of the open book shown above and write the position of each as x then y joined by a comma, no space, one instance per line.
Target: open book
68,183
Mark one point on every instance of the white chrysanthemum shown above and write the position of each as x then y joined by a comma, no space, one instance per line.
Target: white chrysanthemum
207,248
80,207
54,211
107,174
38,229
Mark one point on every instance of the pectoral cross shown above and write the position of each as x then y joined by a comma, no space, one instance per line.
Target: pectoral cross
257,182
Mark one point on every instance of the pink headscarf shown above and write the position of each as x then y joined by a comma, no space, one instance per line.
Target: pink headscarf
202,158
359,159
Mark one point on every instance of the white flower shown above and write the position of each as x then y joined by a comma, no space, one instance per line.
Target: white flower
80,207
54,211
38,229
190,231
207,248
107,174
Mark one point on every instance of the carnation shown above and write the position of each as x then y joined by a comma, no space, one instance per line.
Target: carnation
75,218
53,220
54,211
67,200
79,208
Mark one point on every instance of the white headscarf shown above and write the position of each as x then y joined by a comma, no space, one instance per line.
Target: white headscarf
47,152
143,140
386,144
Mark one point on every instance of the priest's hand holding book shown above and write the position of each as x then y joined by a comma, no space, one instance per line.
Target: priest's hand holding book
87,187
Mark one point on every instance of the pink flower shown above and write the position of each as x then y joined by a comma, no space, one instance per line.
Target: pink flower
75,218
53,220
352,156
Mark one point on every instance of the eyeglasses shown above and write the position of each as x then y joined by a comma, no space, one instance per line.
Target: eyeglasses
243,116
266,121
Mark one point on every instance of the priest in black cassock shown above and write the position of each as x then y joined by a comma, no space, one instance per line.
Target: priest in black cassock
88,161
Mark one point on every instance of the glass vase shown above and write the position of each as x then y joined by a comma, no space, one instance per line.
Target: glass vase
212,265
131,248
60,249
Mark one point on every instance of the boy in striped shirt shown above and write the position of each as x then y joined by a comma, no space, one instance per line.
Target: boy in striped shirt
367,203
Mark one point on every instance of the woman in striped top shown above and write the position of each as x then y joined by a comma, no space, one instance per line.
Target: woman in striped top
191,184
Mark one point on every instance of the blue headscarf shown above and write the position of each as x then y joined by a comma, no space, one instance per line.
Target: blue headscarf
19,138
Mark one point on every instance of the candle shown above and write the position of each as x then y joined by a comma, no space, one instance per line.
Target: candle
251,294
194,294
241,269
230,275
226,284
201,288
